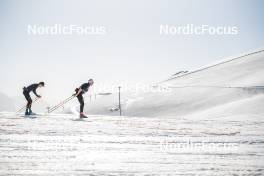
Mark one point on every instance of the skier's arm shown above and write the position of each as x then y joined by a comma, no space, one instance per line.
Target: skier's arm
34,91
79,91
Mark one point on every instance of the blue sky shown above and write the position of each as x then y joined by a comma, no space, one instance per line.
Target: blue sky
132,49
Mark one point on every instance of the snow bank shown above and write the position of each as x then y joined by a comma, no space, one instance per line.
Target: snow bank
232,88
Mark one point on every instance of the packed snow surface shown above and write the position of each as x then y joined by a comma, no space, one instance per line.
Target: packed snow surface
61,144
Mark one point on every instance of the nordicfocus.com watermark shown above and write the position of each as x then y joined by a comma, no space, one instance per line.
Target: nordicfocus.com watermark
191,29
59,29
171,144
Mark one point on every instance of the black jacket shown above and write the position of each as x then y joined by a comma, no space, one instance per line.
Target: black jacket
33,88
84,87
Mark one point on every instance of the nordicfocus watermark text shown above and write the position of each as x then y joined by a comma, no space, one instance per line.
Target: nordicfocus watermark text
59,29
181,144
191,29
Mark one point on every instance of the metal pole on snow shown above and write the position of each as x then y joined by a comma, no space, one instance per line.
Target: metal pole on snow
119,96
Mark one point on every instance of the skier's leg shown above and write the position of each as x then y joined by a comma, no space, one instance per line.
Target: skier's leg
80,99
82,106
29,102
29,105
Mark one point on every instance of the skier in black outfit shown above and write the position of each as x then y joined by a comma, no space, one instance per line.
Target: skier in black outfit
79,92
26,92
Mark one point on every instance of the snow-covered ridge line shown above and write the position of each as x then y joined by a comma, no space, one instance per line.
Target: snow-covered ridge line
215,64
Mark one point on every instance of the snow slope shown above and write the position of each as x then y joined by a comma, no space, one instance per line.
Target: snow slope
234,87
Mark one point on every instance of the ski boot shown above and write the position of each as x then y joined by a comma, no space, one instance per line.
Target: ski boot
82,115
31,113
27,112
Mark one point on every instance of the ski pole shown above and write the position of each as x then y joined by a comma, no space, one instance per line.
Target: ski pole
61,104
24,107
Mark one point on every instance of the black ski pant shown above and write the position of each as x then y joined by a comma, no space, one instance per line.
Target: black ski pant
81,101
28,98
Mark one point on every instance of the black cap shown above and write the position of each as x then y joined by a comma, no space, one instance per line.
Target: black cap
42,83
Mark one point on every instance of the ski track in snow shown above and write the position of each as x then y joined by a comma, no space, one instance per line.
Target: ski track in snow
61,144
